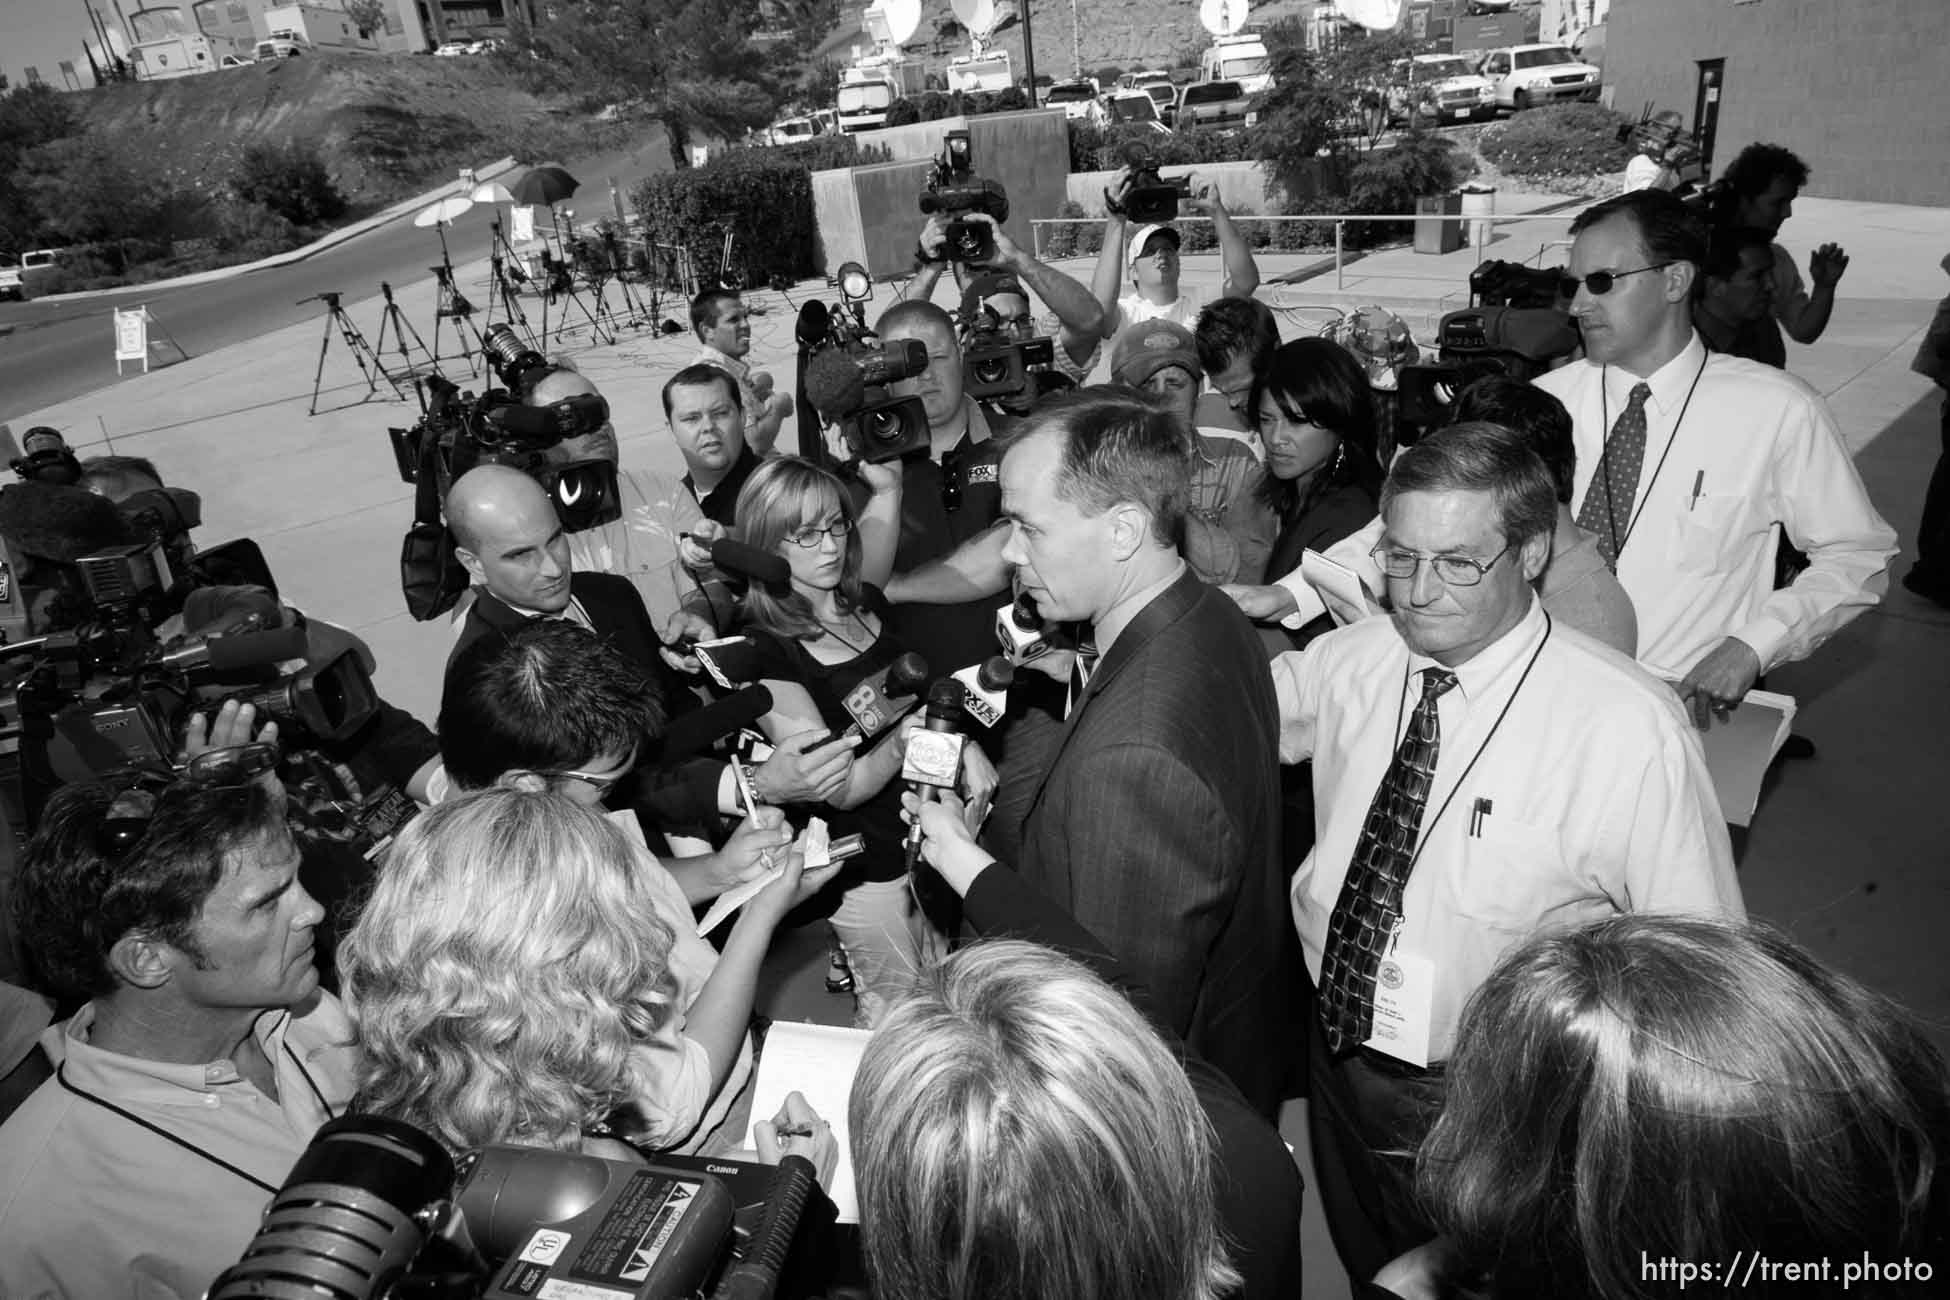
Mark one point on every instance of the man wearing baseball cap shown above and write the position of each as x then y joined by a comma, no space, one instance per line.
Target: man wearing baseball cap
1003,283
1137,271
1228,532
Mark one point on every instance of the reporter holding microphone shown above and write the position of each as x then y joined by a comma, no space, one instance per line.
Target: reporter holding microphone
824,649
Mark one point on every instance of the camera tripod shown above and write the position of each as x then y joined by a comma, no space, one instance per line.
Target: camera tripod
453,306
391,317
619,269
559,281
355,342
502,290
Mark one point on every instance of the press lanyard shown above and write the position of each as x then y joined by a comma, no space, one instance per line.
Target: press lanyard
1604,458
1422,838
61,1075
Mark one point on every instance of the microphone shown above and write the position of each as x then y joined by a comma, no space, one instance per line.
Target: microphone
699,729
224,654
759,566
933,759
885,697
732,661
1021,634
815,323
985,688
834,385
60,523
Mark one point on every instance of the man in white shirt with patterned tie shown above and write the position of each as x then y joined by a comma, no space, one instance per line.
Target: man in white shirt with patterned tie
1691,465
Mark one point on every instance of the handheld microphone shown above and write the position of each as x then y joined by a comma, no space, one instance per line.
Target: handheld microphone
985,688
933,759
732,661
885,697
222,654
759,566
699,729
834,385
815,323
1021,634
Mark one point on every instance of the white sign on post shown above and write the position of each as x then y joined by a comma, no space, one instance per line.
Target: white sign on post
132,337
521,223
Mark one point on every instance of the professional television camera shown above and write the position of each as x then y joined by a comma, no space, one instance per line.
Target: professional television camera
461,430
845,371
1149,199
375,1209
998,356
46,458
1519,342
955,191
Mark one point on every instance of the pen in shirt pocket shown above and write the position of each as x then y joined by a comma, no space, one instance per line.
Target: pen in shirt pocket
1699,481
1477,815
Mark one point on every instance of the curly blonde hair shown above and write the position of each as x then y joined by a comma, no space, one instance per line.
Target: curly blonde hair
503,970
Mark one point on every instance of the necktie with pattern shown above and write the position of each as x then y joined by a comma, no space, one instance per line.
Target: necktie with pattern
1608,501
1371,897
1086,664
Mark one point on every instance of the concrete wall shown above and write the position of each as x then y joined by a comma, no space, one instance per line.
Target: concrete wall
1855,89
1241,186
872,214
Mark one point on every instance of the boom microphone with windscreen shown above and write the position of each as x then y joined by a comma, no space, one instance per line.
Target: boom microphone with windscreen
698,730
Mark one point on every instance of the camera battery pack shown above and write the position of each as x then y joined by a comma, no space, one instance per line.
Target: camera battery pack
654,1234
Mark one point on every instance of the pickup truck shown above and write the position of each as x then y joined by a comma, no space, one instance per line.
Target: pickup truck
14,276
1218,104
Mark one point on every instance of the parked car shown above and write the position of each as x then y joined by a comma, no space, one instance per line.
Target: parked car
1133,108
1219,104
451,49
233,61
1078,100
278,47
16,278
1441,88
1526,75
792,130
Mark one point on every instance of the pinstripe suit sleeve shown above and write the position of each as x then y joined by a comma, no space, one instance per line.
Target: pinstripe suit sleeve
1153,864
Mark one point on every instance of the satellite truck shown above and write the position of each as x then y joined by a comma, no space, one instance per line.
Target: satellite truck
876,79
1234,55
980,69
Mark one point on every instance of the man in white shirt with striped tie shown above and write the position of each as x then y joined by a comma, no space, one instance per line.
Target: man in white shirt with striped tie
1691,465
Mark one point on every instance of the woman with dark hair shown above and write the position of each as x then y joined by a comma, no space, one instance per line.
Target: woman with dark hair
1675,1089
1313,408
817,641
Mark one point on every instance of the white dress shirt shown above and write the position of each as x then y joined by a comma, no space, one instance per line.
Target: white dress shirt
1595,794
1756,453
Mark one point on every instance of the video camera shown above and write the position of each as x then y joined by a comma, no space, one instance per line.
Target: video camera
1149,199
375,1209
1518,342
460,431
955,191
998,357
46,458
847,369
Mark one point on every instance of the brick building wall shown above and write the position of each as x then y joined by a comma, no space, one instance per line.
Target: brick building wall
1858,89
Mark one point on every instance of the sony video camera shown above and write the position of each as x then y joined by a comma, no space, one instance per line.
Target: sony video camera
1149,199
846,369
460,431
375,1209
1517,342
955,191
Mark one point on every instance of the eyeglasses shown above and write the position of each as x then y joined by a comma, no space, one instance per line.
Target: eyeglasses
807,538
234,767
1600,282
1454,570
601,782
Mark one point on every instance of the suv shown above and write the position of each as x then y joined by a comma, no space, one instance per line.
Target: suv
278,47
1440,88
1079,101
1525,75
1220,104
1133,108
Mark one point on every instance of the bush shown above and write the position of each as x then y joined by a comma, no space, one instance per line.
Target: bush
826,152
241,227
1558,139
290,180
903,112
1073,241
765,201
1096,148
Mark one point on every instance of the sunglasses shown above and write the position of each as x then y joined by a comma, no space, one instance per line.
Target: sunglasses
234,767
1600,282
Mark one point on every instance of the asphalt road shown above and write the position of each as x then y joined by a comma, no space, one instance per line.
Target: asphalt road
53,351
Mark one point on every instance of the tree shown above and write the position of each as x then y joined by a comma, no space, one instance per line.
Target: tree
688,64
89,189
369,16
1330,105
30,116
289,180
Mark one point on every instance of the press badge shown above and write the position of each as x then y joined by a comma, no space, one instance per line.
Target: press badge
1404,994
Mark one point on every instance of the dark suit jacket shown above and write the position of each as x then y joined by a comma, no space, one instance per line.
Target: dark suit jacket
682,798
1157,826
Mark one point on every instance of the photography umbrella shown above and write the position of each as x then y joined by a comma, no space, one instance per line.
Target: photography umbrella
440,216
547,185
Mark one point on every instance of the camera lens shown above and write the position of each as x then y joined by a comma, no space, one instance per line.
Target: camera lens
882,426
991,370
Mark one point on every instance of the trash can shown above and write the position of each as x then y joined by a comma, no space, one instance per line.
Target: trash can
1479,201
1432,234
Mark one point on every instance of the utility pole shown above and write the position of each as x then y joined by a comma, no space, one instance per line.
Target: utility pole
1028,50
1076,44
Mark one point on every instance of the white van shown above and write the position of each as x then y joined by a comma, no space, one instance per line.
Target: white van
1242,58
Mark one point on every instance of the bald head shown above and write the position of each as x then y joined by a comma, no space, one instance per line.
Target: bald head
559,386
509,538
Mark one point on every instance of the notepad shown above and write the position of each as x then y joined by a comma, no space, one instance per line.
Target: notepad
818,1062
1340,588
1739,750
813,842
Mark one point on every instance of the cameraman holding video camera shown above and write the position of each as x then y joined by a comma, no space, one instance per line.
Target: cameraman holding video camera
1149,255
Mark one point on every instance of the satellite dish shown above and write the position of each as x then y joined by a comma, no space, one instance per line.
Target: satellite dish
978,16
893,22
1222,17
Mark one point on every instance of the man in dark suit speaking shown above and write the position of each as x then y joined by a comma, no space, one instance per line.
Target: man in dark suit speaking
1156,820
